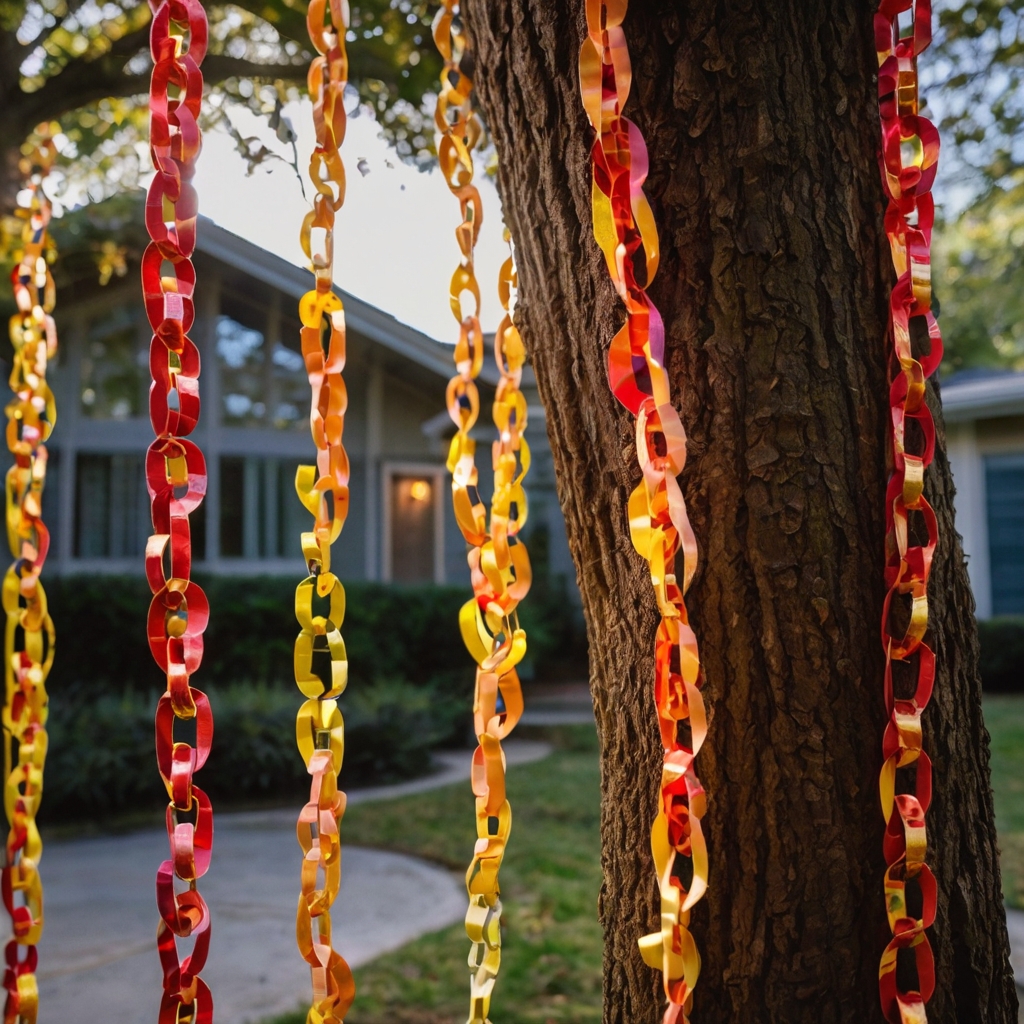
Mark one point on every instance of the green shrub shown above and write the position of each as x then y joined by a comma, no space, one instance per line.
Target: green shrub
1002,654
391,632
410,691
102,763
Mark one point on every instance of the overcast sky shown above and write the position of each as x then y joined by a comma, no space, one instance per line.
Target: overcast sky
394,242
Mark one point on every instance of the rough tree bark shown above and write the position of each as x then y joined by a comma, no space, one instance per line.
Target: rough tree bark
761,120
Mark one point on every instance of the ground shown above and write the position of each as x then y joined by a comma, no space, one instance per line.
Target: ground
551,973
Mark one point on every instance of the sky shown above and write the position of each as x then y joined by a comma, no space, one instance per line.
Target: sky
394,239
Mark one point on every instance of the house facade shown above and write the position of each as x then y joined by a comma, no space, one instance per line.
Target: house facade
984,414
254,432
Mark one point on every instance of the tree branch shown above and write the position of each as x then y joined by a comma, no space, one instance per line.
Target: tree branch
84,82
72,7
217,67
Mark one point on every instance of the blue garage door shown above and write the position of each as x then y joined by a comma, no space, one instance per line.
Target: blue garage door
1004,479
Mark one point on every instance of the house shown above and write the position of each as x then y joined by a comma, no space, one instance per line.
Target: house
984,414
254,431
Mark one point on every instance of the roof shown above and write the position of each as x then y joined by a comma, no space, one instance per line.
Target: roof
971,396
361,316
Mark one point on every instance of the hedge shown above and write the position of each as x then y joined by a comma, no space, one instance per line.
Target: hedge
101,762
1002,654
392,632
410,689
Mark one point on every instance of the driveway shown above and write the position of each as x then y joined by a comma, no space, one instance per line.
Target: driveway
98,957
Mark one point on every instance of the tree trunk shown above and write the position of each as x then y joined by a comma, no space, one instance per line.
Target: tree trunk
761,119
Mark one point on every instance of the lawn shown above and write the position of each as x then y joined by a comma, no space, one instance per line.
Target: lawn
551,969
1004,716
551,960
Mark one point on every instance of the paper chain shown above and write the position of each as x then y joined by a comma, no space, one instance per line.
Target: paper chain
29,637
176,479
498,560
910,152
625,230
323,490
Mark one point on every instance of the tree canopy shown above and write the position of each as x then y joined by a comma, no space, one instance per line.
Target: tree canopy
84,64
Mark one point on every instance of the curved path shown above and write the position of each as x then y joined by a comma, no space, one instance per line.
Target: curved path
98,956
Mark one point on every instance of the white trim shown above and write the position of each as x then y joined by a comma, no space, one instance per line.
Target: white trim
213,567
388,471
971,507
985,398
372,448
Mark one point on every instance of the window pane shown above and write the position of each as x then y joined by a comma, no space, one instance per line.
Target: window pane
129,521
92,493
1005,484
114,367
288,386
111,507
232,506
412,529
240,354
293,517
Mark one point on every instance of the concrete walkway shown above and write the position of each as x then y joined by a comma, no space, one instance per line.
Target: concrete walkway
1015,926
98,957
559,704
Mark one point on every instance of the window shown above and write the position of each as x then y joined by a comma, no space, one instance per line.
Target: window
260,389
260,513
111,507
413,524
1004,484
114,367
112,514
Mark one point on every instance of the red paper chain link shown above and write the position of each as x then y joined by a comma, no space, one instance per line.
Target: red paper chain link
176,479
624,228
909,158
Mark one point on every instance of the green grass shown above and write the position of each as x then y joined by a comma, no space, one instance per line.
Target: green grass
1004,716
551,969
550,878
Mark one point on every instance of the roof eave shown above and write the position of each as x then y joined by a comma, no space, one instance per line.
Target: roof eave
364,318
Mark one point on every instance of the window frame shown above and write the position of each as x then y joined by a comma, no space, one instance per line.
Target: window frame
438,474
999,460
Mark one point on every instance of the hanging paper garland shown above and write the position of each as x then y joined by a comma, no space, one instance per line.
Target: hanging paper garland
498,560
910,152
323,490
625,230
176,479
29,637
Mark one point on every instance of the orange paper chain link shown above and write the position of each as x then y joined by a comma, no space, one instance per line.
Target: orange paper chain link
29,637
498,560
323,490
176,479
659,527
909,158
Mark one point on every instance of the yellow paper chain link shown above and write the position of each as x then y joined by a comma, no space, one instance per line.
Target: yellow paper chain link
29,637
323,490
498,561
659,525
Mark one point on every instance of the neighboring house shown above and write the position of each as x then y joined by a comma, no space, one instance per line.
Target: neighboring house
984,415
254,431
